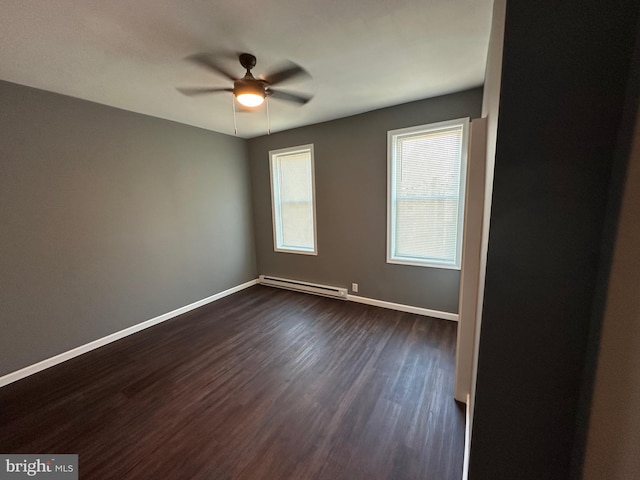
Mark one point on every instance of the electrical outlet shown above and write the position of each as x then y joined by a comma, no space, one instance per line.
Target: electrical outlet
354,287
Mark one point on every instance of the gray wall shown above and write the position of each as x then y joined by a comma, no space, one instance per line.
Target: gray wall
109,218
614,431
613,435
561,103
351,178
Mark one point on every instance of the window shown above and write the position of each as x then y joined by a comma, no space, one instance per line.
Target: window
427,175
293,200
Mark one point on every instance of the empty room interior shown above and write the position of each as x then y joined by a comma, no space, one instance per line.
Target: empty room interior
305,240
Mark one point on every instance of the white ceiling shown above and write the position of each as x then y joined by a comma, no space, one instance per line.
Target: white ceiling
361,54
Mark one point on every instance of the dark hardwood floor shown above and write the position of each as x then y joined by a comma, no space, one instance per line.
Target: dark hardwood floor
263,384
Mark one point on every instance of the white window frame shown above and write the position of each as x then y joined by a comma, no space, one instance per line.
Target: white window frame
391,171
275,212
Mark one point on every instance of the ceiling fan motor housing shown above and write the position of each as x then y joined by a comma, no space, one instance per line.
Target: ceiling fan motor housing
249,85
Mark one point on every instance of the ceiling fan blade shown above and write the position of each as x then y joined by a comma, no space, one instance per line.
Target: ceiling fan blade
205,60
285,73
189,91
300,99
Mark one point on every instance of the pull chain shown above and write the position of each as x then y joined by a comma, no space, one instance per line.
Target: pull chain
266,99
233,107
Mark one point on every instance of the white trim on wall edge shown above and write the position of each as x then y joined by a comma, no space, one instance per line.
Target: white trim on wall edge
404,308
63,357
467,442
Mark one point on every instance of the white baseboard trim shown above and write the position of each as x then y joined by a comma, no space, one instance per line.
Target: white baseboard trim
404,308
467,442
62,357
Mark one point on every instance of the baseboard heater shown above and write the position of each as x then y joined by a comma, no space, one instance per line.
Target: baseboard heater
324,290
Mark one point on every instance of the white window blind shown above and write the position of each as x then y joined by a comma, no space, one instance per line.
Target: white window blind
427,172
293,199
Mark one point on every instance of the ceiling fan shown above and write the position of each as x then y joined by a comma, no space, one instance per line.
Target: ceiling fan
248,90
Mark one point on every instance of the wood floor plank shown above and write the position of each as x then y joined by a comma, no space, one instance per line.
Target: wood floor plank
263,384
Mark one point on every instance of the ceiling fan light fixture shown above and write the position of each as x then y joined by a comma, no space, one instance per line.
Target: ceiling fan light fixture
249,91
250,99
